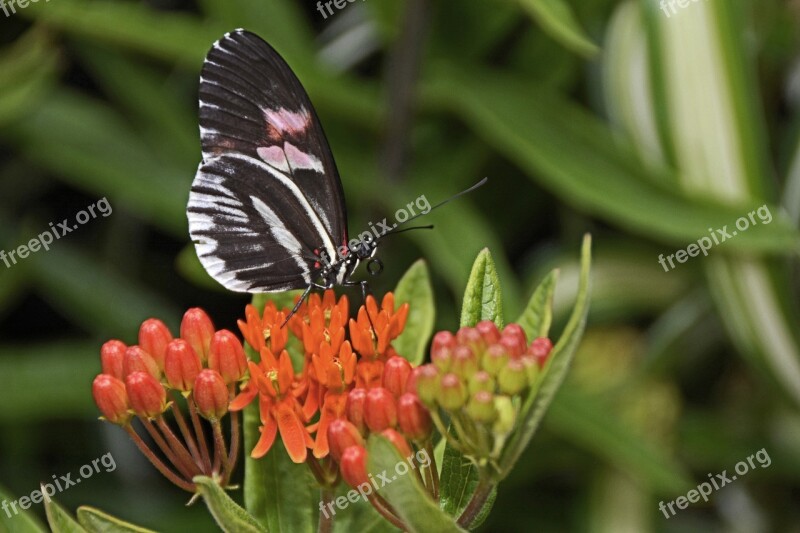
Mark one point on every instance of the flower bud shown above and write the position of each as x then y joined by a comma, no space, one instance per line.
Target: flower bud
506,416
111,398
395,375
380,410
210,394
488,331
452,393
464,361
540,348
137,360
153,339
356,399
413,376
181,365
399,442
147,396
428,384
112,356
494,359
341,435
481,381
353,466
514,341
442,357
443,339
197,329
481,407
226,356
531,368
413,417
513,378
470,337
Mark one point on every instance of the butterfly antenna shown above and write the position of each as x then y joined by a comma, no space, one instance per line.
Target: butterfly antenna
440,204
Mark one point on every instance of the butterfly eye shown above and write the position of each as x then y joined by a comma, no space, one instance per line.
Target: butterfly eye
375,266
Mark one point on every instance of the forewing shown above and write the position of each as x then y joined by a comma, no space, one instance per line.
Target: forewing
251,103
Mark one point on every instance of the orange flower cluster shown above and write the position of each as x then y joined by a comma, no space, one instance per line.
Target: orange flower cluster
332,364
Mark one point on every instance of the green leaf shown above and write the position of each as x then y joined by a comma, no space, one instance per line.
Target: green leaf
557,19
538,314
95,520
24,521
59,519
482,298
229,516
457,481
541,132
415,289
540,397
405,493
29,68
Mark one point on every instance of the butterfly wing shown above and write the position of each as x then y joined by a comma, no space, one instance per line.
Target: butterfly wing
267,198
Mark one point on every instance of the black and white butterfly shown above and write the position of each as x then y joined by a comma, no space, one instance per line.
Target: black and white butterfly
266,209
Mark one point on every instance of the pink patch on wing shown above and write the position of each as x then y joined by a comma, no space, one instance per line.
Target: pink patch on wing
273,156
301,160
284,121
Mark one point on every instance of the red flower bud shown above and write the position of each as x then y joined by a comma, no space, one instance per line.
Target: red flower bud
226,356
494,359
413,417
181,365
137,360
488,331
413,376
464,361
354,466
153,339
395,375
452,393
210,394
399,442
513,378
481,381
481,407
112,355
356,399
111,398
540,348
443,339
513,339
470,337
147,396
197,329
380,410
341,435
428,384
442,357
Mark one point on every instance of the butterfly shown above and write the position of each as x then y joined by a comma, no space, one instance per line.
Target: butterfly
266,208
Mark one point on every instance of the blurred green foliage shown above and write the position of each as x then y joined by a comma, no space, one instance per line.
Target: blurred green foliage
584,116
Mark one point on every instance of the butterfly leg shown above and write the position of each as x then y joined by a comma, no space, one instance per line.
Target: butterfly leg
364,291
301,300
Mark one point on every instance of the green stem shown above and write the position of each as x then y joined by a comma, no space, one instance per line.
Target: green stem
325,518
476,503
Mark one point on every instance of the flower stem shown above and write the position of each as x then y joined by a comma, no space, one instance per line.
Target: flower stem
180,450
476,503
187,435
234,451
201,436
431,472
385,510
156,462
165,448
220,450
325,518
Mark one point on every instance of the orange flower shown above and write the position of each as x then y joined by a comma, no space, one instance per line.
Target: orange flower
374,344
336,374
274,382
321,320
264,331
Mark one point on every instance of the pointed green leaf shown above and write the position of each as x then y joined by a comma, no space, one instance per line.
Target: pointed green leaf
23,522
415,289
538,314
557,19
59,519
95,520
405,493
540,397
482,299
229,516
